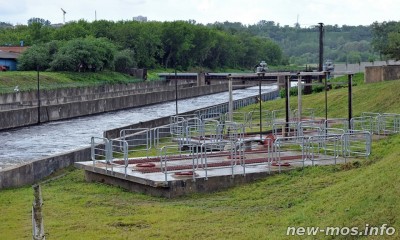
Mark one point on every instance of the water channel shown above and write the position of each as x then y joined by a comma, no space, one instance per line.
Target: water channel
31,143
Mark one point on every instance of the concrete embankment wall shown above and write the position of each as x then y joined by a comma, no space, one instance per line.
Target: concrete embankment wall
29,116
35,171
65,95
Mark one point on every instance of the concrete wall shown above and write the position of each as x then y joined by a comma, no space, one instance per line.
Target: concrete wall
176,188
29,116
360,67
65,95
37,170
381,73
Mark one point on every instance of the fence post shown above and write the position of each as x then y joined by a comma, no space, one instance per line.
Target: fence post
37,218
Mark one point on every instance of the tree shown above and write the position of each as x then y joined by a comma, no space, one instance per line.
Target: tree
177,38
39,33
84,54
380,36
5,25
40,21
35,57
393,49
73,30
124,60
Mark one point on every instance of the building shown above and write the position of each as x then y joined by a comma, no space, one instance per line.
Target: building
140,19
9,56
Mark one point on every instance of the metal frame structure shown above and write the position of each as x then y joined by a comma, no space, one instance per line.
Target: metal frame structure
194,144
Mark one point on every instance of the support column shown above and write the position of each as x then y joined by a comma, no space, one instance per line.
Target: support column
230,98
260,106
201,79
299,98
287,103
326,101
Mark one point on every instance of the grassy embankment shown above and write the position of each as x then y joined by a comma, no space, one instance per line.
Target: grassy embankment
344,195
27,80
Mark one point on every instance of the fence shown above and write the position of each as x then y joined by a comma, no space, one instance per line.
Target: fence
193,146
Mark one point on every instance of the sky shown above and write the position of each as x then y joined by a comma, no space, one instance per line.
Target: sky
285,12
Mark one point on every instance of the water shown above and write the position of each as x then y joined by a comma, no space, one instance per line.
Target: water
28,144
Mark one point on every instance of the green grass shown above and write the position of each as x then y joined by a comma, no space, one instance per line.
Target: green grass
374,97
342,195
27,80
365,191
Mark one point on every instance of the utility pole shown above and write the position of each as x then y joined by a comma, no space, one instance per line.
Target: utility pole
321,46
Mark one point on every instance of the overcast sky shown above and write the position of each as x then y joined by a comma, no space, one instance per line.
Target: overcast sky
284,12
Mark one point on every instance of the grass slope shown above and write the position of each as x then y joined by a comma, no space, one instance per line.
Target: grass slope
377,97
27,80
355,194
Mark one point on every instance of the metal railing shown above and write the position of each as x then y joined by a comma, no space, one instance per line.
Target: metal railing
99,149
119,151
285,151
137,139
283,129
323,147
356,144
191,143
363,123
388,123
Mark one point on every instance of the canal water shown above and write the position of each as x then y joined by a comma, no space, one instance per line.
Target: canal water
31,143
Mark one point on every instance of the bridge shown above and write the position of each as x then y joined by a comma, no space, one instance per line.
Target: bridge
304,80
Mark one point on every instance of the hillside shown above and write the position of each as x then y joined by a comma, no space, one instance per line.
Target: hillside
27,80
351,195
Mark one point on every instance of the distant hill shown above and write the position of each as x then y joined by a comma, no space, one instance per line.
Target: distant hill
351,44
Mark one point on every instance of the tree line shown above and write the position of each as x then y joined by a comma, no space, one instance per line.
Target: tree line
301,44
386,39
186,44
82,46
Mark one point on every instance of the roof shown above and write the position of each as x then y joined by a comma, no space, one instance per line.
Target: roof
13,49
8,55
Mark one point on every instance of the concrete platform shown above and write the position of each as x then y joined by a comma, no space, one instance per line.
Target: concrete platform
214,172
